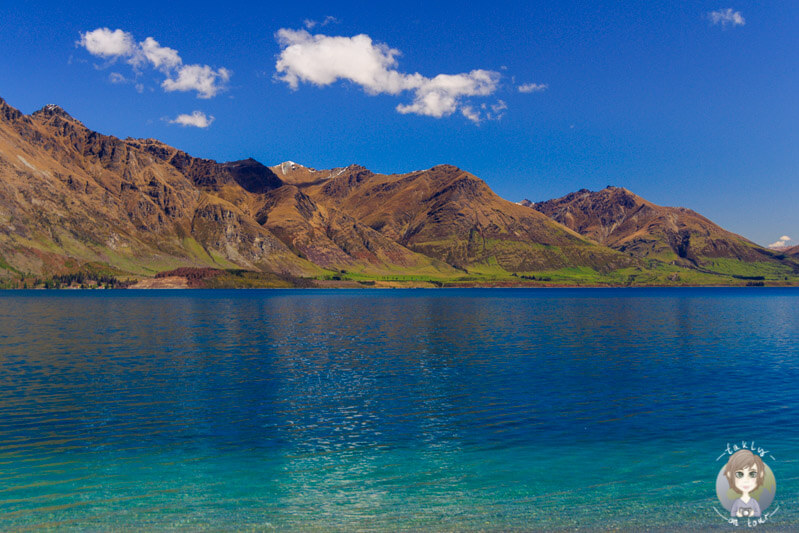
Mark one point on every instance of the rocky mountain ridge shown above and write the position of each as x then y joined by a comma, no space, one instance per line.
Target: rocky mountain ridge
72,199
624,221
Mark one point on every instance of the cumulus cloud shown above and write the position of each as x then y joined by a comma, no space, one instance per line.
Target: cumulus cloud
781,243
442,95
201,78
103,42
322,60
197,119
161,57
118,44
726,17
532,87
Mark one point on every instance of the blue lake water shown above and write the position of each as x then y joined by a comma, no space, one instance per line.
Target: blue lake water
391,410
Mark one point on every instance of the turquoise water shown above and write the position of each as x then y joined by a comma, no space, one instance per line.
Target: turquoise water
391,410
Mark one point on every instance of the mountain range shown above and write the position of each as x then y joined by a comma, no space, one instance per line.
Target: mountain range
74,202
619,219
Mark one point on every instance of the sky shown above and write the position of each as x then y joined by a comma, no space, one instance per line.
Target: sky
690,104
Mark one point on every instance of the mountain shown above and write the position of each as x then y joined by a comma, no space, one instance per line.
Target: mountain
450,215
334,240
71,197
77,205
619,219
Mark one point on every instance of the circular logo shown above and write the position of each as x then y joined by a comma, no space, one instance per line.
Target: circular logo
745,485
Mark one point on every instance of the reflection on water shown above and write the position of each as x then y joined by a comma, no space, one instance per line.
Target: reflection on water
474,409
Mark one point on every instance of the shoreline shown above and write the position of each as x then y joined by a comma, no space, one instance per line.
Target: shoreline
182,287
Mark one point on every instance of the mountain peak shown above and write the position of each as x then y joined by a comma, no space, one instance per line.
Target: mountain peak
53,110
445,168
622,190
288,166
620,219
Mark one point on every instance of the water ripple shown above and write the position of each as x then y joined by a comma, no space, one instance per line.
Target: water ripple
400,410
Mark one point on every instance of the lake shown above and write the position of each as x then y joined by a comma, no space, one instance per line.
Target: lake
439,410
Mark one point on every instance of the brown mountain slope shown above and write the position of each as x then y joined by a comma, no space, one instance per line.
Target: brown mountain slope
334,240
453,216
793,251
69,196
72,199
617,218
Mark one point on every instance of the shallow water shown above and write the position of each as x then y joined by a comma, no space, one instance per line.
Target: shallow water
391,410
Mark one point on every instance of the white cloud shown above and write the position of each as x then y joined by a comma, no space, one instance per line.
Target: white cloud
203,79
726,17
532,87
470,113
322,60
497,110
109,44
311,24
197,119
161,57
485,112
781,243
441,96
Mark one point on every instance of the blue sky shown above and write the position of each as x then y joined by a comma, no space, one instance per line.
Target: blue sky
677,104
